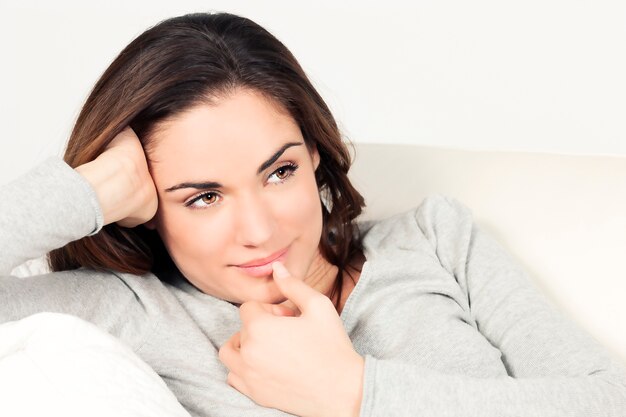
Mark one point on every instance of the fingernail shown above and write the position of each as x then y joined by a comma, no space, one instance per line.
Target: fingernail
279,270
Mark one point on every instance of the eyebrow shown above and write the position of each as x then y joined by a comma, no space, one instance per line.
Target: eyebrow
212,184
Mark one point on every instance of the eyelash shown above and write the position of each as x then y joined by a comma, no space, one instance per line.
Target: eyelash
290,167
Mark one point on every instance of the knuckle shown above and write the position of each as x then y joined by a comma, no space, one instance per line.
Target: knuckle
221,353
254,386
248,355
319,303
247,311
230,380
244,307
251,356
261,400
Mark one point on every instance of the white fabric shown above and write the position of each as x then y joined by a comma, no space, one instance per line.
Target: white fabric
59,365
563,217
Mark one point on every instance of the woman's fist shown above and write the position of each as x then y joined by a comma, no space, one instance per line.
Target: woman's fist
122,182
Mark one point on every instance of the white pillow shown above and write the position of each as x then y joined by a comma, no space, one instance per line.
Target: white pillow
59,365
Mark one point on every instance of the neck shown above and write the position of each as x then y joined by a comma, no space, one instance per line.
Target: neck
321,277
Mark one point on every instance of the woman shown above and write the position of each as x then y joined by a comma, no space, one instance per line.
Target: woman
209,223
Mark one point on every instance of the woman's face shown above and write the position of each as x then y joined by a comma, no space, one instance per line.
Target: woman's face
236,186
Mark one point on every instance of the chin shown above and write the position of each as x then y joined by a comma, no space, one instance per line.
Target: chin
265,292
273,294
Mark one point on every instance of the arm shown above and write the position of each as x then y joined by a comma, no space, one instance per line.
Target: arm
554,368
46,208
53,205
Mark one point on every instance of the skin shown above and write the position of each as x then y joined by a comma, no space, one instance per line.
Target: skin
265,357
255,213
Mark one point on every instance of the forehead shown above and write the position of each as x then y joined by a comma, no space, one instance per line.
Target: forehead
242,117
242,128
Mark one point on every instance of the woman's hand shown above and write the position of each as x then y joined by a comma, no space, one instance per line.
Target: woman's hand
123,184
303,365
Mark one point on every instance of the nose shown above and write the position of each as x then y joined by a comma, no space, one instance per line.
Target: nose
254,223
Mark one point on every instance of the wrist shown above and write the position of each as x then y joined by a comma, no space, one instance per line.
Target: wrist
354,395
107,178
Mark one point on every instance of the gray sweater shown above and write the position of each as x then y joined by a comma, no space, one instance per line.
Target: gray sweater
448,323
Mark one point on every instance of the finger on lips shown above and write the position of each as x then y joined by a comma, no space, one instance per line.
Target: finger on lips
279,270
296,290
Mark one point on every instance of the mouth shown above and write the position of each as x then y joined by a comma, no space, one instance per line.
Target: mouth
262,267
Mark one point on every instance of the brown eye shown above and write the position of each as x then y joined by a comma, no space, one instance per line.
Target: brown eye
282,173
205,200
208,198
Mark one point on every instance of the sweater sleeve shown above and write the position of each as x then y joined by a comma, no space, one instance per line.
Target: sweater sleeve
554,368
46,208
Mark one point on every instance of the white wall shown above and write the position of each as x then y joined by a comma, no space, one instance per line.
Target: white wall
538,75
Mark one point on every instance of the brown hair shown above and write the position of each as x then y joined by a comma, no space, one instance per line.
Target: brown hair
182,62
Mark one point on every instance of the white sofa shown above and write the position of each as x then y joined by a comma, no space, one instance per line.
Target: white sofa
562,216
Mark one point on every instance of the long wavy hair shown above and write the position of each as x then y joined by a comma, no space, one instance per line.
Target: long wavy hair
175,65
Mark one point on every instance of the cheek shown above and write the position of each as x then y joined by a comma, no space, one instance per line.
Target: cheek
190,238
302,209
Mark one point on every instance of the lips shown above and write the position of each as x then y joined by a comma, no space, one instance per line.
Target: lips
264,261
